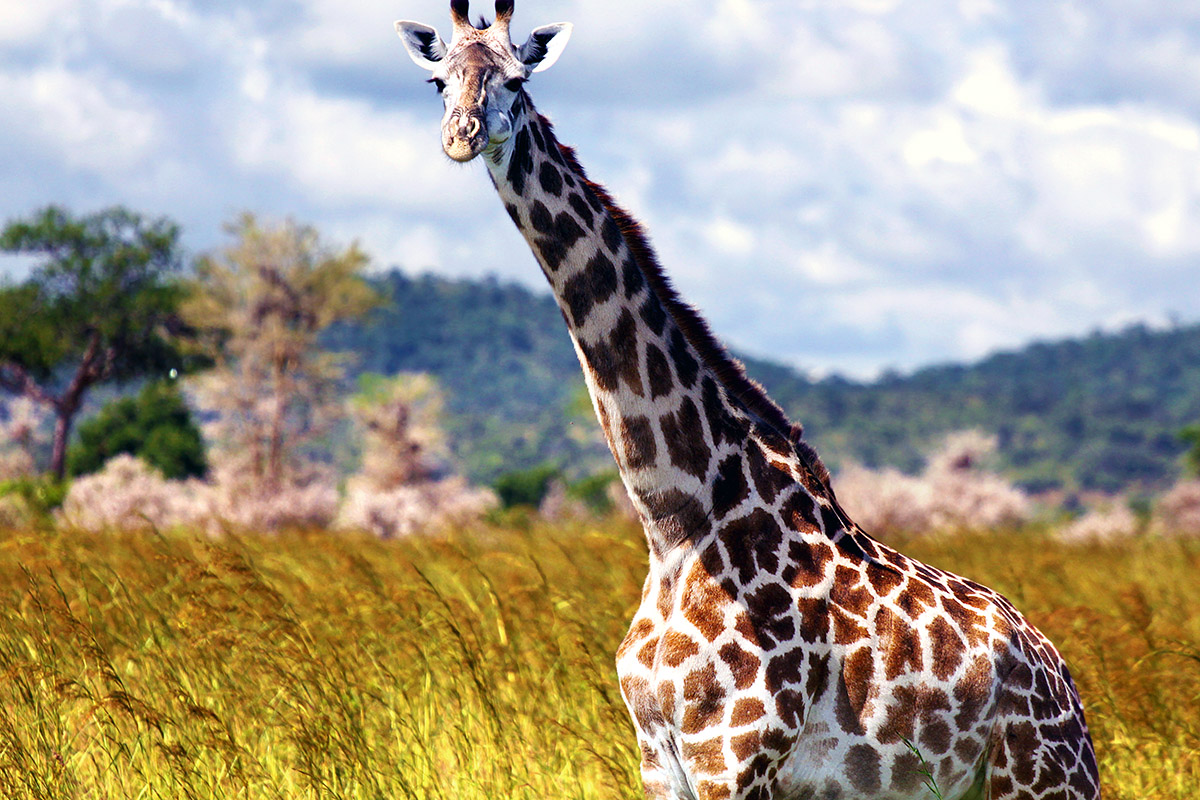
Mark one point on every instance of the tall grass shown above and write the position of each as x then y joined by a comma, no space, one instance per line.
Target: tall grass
474,666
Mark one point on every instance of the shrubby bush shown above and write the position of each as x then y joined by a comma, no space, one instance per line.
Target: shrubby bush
156,426
128,494
303,501
955,492
598,494
1177,513
401,486
1110,522
527,487
402,510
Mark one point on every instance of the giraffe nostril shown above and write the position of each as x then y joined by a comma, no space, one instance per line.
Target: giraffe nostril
473,127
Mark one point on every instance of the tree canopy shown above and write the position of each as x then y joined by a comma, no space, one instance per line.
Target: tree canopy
259,305
99,306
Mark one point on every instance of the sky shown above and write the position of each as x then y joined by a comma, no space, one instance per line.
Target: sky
848,186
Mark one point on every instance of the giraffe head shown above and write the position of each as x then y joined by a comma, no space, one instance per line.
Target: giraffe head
480,73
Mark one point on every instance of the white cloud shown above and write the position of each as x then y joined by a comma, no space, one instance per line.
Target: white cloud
28,23
151,37
84,118
849,185
350,154
729,237
990,87
944,141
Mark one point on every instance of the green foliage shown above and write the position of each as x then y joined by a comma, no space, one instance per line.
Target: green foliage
1191,435
156,426
105,283
42,495
1099,413
526,487
592,491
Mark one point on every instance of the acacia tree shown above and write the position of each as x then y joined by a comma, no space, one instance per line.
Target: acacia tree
400,418
101,306
260,305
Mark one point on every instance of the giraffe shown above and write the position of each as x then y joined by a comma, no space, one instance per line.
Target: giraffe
778,651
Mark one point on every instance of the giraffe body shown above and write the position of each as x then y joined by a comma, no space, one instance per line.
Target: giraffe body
778,651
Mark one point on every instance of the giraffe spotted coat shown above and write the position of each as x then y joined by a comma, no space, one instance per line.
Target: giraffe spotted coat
779,651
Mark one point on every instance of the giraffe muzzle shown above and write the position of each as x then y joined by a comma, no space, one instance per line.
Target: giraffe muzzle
466,136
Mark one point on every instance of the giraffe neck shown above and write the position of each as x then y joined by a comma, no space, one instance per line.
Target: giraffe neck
673,405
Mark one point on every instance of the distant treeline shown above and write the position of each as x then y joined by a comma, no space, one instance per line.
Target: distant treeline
1099,413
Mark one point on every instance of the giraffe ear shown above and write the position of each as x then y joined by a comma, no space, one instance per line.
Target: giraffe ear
545,45
424,45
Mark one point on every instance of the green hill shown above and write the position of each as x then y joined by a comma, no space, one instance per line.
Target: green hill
1099,413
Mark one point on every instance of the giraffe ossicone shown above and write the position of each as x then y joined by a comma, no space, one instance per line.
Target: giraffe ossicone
779,651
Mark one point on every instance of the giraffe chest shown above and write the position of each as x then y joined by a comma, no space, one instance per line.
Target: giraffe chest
794,686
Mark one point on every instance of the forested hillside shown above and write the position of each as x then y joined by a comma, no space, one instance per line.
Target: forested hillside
1102,412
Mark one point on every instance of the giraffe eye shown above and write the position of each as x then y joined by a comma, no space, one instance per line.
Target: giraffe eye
514,85
438,84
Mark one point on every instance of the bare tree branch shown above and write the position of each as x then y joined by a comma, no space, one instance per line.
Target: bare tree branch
15,379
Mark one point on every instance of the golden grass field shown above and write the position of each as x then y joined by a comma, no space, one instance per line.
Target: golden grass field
475,666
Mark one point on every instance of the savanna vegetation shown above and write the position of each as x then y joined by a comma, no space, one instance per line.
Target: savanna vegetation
477,664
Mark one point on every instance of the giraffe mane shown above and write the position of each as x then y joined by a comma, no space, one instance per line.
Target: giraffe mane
730,372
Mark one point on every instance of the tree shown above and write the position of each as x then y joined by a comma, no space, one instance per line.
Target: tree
100,307
400,418
259,307
156,426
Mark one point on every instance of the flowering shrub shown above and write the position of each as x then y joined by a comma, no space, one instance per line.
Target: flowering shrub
21,432
953,493
1177,513
128,494
234,500
558,504
402,510
1107,523
885,500
398,491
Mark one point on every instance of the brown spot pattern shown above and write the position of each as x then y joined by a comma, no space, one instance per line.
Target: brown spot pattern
707,757
684,436
947,648
746,711
862,768
742,664
658,372
730,487
637,438
704,603
676,648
